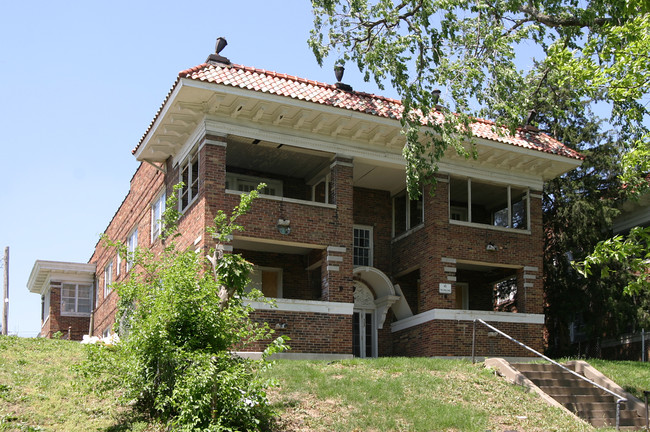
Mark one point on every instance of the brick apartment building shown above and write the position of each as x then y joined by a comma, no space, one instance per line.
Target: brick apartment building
356,267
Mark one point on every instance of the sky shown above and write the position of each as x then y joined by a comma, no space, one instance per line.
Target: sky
80,81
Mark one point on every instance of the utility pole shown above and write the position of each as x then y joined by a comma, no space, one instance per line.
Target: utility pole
5,309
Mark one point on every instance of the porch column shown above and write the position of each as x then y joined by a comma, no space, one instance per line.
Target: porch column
336,284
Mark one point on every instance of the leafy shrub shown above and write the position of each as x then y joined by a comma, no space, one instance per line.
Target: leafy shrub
178,323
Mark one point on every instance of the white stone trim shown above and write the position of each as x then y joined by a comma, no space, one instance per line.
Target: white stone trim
256,355
336,249
333,268
531,269
489,227
466,315
451,278
528,285
529,276
292,305
341,163
448,260
450,269
287,200
334,258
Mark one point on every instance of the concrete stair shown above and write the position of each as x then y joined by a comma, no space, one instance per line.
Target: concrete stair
588,402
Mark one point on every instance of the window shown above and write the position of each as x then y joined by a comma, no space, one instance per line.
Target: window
362,245
107,332
407,213
131,245
190,177
320,192
157,209
108,279
268,280
45,306
244,183
75,299
118,264
488,204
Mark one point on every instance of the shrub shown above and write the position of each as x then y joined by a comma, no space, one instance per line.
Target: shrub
178,322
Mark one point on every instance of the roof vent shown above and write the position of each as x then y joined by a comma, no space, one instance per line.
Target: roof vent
217,59
338,72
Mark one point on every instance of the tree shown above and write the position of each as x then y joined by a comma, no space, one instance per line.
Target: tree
596,51
179,324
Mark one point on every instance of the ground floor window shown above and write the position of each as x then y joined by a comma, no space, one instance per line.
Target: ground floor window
362,334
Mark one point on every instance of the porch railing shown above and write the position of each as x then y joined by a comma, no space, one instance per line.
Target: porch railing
619,399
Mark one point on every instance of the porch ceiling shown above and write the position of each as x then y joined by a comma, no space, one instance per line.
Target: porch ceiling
268,245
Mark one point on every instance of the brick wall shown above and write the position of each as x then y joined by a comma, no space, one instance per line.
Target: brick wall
454,338
309,332
76,325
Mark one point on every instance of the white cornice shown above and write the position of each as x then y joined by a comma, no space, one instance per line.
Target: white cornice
44,271
466,315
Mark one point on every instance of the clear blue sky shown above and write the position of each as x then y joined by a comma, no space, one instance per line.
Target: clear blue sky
80,82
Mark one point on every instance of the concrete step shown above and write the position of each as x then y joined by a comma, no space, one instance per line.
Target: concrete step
568,391
552,382
581,399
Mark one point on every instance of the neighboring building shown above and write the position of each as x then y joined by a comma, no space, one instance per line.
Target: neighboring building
356,267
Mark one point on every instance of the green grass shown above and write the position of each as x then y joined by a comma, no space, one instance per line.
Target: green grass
400,394
634,377
39,391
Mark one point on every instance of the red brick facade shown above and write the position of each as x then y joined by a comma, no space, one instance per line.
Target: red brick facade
337,167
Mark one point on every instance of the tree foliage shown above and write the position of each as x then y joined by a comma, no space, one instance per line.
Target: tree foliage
179,325
594,51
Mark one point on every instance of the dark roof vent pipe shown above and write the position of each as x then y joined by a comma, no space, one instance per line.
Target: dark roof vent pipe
338,73
217,59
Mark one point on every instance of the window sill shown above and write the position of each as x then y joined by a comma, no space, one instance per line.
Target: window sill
287,200
76,314
489,227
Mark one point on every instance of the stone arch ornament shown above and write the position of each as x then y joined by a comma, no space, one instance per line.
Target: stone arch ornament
385,294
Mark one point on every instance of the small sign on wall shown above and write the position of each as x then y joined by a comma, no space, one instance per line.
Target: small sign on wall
445,288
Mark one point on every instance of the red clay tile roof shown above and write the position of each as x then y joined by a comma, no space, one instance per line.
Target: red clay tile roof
328,94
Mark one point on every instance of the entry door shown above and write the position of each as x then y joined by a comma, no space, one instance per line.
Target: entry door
363,334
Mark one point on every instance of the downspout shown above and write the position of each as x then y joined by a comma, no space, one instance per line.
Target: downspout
91,326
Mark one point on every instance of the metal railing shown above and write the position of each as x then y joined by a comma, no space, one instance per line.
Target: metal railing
619,399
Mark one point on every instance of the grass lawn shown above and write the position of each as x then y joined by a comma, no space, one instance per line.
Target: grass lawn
39,391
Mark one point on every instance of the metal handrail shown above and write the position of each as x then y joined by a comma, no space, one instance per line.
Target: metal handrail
619,399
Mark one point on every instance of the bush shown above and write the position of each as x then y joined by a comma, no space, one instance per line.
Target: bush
179,323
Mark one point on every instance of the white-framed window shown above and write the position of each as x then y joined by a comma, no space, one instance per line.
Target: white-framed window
118,264
363,245
131,245
108,278
75,299
245,183
498,205
267,280
157,209
189,173
407,213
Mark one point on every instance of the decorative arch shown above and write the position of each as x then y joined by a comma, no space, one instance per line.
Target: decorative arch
385,295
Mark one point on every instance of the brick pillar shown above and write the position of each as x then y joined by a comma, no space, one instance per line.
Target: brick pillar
212,169
336,283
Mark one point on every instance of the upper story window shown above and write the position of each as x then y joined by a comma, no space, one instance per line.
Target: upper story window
244,183
108,279
131,245
157,209
407,213
483,203
75,299
189,171
363,245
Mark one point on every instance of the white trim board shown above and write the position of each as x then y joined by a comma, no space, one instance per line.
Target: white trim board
313,306
466,315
